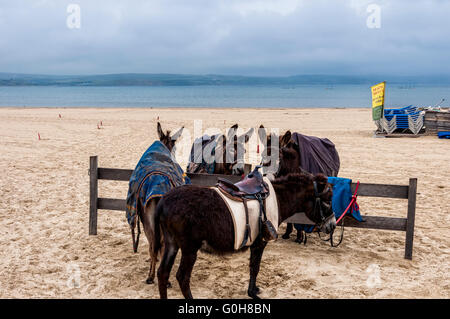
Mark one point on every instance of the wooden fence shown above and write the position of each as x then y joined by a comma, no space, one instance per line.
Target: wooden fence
372,190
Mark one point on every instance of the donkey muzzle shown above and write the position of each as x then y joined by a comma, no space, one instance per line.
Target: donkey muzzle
328,225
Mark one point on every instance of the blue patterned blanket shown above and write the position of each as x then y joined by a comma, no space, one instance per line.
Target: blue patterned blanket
155,174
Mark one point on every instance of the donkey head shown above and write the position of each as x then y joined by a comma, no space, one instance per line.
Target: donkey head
167,139
272,158
317,205
311,194
231,150
289,158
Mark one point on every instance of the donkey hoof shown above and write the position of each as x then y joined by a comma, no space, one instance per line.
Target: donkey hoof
254,293
300,241
253,296
149,281
169,285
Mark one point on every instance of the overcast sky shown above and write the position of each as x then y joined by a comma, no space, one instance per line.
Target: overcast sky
254,37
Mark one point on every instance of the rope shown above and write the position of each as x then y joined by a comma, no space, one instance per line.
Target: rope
353,206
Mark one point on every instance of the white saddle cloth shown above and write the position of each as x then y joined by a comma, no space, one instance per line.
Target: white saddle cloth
237,212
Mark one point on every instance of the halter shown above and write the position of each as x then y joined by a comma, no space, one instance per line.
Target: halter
318,204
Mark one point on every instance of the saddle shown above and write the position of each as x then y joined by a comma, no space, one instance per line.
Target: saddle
252,187
252,184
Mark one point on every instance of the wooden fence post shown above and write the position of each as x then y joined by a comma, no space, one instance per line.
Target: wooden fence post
93,194
412,191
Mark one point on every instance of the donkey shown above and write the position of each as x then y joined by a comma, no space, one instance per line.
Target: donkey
231,156
147,215
289,162
191,216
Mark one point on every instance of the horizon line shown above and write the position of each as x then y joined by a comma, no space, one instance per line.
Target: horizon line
237,75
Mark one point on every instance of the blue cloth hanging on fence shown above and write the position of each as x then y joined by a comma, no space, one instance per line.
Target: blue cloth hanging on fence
155,174
342,195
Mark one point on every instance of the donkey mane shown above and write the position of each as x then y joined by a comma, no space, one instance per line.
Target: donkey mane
299,180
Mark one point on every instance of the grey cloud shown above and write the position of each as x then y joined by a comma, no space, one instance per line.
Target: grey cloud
253,37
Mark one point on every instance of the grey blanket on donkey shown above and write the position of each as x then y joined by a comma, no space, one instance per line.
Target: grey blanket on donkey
317,155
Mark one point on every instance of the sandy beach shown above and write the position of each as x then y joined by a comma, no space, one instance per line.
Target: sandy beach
44,191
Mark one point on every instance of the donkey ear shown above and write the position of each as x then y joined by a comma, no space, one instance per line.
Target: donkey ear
285,138
321,181
262,134
177,134
232,132
247,135
160,132
221,140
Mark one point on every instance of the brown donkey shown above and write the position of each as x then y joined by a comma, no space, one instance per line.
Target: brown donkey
147,216
191,216
289,162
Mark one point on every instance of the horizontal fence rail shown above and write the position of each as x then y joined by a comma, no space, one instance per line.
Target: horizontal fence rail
365,189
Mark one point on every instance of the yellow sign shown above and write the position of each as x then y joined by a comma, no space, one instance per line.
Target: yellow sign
378,100
378,94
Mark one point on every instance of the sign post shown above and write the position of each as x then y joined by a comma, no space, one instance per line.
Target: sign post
378,100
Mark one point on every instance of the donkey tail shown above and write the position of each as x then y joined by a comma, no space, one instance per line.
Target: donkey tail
157,245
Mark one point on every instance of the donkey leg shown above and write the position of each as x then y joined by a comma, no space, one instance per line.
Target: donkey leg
151,273
288,232
256,252
147,221
300,237
184,272
170,252
153,261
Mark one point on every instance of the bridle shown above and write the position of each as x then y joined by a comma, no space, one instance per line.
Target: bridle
318,205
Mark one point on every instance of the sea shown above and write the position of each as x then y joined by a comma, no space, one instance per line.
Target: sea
226,96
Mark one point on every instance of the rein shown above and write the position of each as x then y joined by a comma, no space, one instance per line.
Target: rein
354,207
318,203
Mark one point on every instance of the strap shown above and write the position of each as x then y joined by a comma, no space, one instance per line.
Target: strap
247,233
247,222
262,207
136,241
262,212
